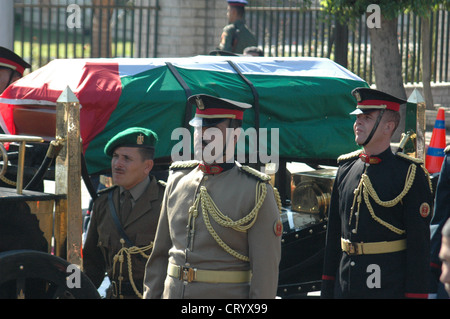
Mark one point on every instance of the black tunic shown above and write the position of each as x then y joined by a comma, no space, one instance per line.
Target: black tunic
387,275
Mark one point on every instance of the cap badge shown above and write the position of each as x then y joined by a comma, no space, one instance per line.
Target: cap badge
358,96
140,139
199,102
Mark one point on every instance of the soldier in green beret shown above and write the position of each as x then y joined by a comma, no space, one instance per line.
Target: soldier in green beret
125,216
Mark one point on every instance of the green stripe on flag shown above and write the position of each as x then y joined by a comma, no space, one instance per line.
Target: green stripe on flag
311,113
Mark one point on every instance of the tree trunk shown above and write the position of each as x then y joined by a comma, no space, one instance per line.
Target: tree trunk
426,63
387,64
101,34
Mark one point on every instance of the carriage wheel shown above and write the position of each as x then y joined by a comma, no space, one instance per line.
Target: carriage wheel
29,274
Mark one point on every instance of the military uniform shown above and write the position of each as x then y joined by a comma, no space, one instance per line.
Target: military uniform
10,60
441,214
10,63
237,36
116,240
219,234
377,242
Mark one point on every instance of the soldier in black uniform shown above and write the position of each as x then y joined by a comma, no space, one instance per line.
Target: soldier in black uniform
236,36
378,238
441,214
12,67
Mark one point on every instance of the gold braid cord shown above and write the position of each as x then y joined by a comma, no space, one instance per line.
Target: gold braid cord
4,156
7,181
277,198
119,257
365,186
241,225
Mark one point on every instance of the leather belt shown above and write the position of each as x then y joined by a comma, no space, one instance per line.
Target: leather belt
210,276
382,247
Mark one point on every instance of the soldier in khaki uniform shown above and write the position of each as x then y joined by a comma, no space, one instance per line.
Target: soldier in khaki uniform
236,36
122,229
219,233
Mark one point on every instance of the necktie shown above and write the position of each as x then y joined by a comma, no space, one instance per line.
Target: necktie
125,208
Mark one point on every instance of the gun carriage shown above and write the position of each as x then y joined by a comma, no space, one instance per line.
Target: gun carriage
307,100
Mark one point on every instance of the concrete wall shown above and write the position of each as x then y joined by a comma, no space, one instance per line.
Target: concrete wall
440,91
186,28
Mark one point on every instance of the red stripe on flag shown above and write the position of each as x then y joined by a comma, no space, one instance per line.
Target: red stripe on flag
97,86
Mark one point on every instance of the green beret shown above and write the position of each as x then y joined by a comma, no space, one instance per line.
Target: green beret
132,137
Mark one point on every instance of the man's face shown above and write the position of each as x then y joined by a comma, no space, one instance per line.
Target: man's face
363,126
444,255
216,142
128,167
231,14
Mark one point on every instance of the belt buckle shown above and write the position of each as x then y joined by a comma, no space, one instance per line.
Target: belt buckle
188,274
352,248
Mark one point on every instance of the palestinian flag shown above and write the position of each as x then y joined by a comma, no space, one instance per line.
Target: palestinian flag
307,99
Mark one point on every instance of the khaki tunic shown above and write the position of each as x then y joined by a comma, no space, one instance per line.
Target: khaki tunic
103,238
233,191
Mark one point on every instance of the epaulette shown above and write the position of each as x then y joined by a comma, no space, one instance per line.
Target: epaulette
184,164
349,156
409,158
253,172
447,149
105,190
417,161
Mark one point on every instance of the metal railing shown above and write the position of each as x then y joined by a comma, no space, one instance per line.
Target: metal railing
45,30
283,28
287,28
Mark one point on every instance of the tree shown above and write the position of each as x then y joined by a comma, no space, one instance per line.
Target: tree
386,57
101,35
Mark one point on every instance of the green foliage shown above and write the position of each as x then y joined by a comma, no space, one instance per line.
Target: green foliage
349,10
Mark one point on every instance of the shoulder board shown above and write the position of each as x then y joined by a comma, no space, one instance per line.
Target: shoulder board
106,190
162,183
184,164
447,149
253,172
349,156
230,26
409,158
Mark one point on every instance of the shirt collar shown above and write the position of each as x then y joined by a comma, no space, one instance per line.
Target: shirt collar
138,189
376,159
215,168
